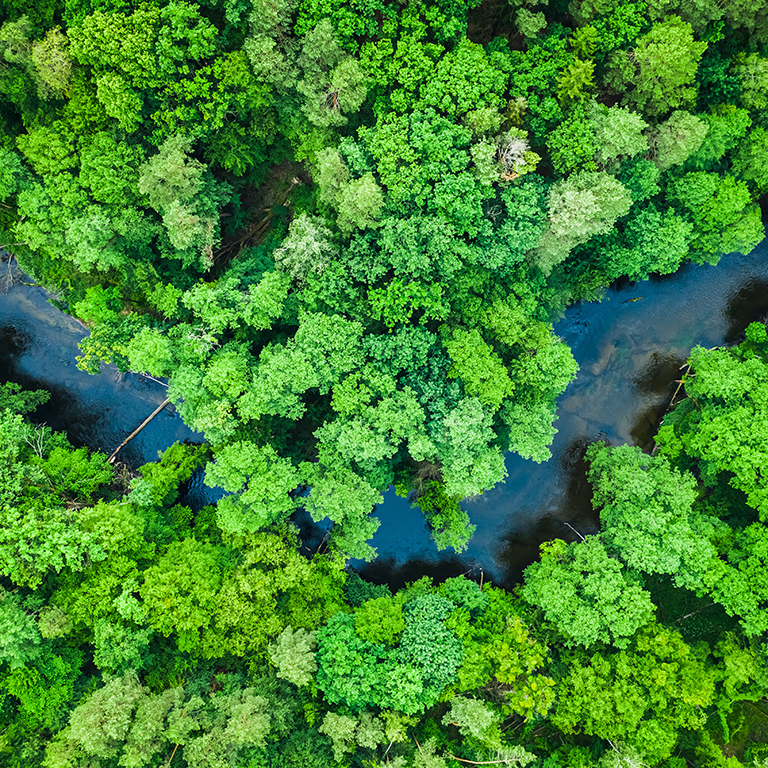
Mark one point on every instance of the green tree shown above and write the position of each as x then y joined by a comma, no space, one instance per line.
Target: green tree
263,481
180,590
449,524
721,210
588,595
752,72
580,206
572,145
20,635
646,513
725,433
741,587
124,720
661,68
333,83
652,241
341,730
52,62
677,138
576,81
618,132
479,368
725,126
293,655
307,248
621,696
750,158
380,620
120,647
360,204
176,187
43,480
475,720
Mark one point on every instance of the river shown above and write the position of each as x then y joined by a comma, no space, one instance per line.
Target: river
629,348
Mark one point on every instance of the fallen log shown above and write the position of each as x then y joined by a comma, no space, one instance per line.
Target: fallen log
138,429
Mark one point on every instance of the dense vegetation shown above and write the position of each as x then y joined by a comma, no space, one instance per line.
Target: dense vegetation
135,633
342,231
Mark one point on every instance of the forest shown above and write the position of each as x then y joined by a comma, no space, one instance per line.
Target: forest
341,232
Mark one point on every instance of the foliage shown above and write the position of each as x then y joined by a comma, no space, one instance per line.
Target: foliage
293,656
588,595
581,206
678,138
143,151
653,707
722,213
362,673
175,607
724,395
646,512
342,231
661,68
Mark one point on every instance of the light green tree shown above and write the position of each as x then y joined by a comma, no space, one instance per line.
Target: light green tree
589,595
580,206
308,248
333,84
618,132
475,720
341,730
293,655
752,71
180,590
661,68
677,138
18,630
263,483
53,63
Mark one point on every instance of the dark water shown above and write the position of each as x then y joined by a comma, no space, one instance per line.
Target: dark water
38,346
629,352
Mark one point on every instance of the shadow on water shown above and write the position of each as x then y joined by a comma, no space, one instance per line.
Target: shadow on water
388,570
38,347
746,305
658,380
659,374
13,342
572,518
629,348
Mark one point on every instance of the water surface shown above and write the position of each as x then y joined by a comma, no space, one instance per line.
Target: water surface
38,347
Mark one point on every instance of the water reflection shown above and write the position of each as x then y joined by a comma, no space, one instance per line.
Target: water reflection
571,517
38,346
658,380
630,348
746,305
659,373
391,571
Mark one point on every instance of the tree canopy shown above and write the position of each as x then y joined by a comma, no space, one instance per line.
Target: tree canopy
342,233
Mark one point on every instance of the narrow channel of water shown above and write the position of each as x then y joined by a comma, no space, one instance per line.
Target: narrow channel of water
629,348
